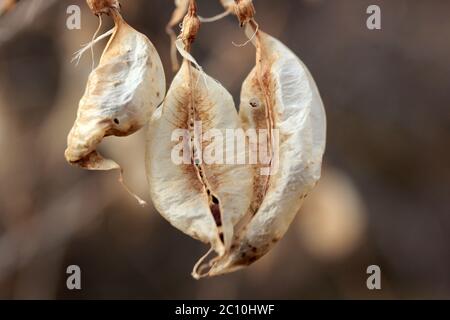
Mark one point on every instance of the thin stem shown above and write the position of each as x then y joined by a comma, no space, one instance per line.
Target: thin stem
216,17
93,38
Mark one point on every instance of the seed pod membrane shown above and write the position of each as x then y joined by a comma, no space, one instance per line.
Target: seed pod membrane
121,94
280,94
204,200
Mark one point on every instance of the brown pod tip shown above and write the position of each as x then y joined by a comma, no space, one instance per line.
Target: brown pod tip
191,24
244,10
99,7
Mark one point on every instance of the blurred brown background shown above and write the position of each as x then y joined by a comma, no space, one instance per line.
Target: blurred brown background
384,198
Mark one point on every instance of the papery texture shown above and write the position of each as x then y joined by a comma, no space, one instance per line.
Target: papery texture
280,96
121,94
204,200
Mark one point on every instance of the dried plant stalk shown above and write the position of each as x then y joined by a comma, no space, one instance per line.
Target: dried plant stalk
181,7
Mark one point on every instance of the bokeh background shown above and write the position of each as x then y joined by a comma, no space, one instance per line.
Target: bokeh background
384,197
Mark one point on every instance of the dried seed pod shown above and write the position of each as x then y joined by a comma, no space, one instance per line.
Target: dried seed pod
120,97
280,96
203,199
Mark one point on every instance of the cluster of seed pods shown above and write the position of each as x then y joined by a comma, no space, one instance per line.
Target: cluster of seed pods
240,210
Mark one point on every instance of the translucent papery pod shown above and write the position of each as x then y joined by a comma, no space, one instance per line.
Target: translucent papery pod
192,184
121,93
281,97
